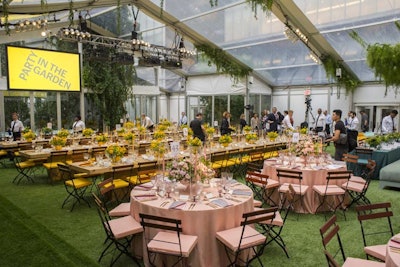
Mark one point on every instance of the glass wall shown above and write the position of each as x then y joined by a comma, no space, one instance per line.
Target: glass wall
16,102
45,109
70,108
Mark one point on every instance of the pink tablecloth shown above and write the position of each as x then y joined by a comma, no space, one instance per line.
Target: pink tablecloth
310,177
203,221
393,256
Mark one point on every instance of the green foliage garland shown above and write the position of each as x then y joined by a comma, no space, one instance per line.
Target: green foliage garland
347,80
223,62
111,86
266,5
384,59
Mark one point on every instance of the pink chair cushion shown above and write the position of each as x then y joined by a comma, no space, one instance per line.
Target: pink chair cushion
353,186
123,209
332,190
257,203
357,179
285,188
125,226
168,243
231,238
377,251
354,262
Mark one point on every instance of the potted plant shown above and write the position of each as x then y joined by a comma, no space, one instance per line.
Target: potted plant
225,140
129,137
58,142
251,138
272,136
115,152
29,135
159,134
64,133
101,139
87,132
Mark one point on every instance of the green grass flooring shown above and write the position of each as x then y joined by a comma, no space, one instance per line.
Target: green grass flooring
35,231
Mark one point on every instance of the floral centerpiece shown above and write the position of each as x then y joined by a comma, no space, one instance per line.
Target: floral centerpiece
179,170
46,130
303,131
303,148
26,129
63,133
159,135
162,128
87,132
142,129
58,142
374,141
272,135
121,131
210,130
166,123
101,139
194,144
29,135
187,170
129,137
129,125
251,138
232,128
225,140
158,147
115,152
247,129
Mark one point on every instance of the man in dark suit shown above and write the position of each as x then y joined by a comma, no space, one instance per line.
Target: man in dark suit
273,120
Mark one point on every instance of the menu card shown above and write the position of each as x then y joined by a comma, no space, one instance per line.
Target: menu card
241,192
177,205
220,203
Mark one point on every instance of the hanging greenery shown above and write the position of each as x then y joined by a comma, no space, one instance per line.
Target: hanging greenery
110,85
384,59
223,62
347,80
5,6
71,12
213,3
266,5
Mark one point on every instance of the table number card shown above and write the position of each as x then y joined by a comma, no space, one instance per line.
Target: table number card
295,137
174,148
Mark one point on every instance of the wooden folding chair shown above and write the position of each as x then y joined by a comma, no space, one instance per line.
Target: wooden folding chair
120,232
111,199
262,186
56,157
245,237
168,241
374,212
332,191
24,169
329,231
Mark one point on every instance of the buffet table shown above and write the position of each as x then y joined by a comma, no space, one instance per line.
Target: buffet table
314,175
202,219
393,252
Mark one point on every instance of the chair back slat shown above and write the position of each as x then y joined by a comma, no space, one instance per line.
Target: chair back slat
336,175
350,158
331,260
328,231
363,217
382,205
258,216
289,174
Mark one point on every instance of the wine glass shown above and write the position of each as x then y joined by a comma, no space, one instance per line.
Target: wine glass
86,156
199,190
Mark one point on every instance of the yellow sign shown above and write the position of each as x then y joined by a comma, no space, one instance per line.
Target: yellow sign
37,69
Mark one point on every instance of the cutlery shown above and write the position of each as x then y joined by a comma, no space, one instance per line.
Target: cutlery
164,203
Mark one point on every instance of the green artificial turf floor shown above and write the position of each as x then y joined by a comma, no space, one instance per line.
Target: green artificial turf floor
35,231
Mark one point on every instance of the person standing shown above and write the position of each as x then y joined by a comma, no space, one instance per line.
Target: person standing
320,122
184,119
352,130
287,122
364,121
147,122
16,127
388,123
78,125
254,123
339,128
225,124
242,122
197,127
273,119
264,120
328,123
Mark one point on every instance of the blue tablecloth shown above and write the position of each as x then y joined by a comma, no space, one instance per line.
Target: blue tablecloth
382,158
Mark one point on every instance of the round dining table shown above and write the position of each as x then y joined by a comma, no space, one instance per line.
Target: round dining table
312,175
202,219
393,252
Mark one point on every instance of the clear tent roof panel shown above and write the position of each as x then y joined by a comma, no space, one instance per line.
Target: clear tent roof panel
361,69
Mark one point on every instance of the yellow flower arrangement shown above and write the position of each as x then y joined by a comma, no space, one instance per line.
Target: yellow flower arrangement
272,135
129,125
158,147
184,126
121,131
142,129
87,132
247,129
129,137
210,130
303,131
159,135
29,135
190,132
115,152
233,129
251,137
64,133
194,142
102,138
162,127
58,141
166,123
225,139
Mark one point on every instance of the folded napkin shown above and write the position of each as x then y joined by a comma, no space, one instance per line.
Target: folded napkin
88,163
394,244
144,187
220,203
333,167
177,205
148,157
146,197
242,192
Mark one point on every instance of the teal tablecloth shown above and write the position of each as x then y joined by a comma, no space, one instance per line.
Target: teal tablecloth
382,158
